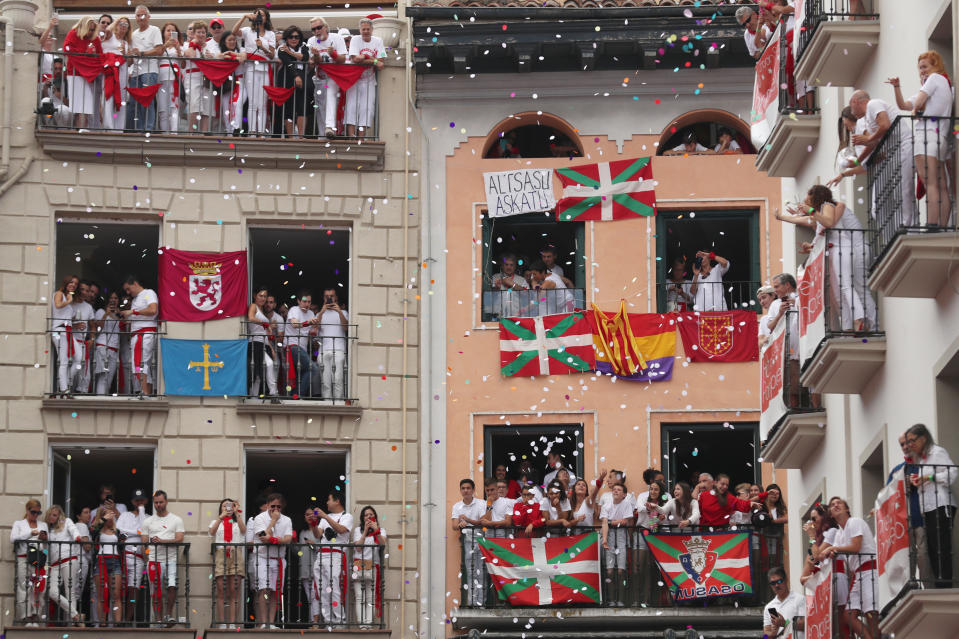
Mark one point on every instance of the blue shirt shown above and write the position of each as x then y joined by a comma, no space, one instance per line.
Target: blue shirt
915,511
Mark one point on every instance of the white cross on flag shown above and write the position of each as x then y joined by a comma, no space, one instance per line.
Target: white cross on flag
617,190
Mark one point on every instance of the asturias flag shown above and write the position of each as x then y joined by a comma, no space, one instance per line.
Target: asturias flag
703,565
543,571
545,345
616,190
653,337
204,366
719,336
195,287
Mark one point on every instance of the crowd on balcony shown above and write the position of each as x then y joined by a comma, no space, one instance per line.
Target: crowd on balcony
112,74
541,289
101,569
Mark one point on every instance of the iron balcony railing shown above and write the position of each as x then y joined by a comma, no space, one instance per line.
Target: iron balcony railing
788,102
819,11
676,297
630,576
298,586
851,306
855,584
931,509
531,303
127,583
313,364
180,95
914,146
104,358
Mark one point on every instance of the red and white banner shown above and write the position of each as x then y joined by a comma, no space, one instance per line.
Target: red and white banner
195,287
818,591
765,111
892,538
812,322
771,381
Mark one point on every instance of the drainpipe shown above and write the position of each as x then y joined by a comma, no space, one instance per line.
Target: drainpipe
406,301
5,128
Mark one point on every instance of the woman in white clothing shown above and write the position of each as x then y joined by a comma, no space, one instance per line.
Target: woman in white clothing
932,136
61,331
27,536
64,562
86,552
228,528
367,567
583,504
232,92
682,511
648,517
109,571
261,364
116,40
550,296
258,41
168,98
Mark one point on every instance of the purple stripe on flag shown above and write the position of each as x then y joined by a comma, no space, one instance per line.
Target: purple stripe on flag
660,370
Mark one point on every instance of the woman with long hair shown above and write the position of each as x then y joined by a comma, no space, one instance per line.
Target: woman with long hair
64,558
259,42
261,365
682,511
61,331
775,505
81,42
648,517
168,99
937,473
847,158
367,574
108,571
233,92
556,508
116,39
582,501
294,61
228,569
105,356
27,535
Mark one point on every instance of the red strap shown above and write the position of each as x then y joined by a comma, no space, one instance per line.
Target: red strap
227,530
69,340
155,574
138,346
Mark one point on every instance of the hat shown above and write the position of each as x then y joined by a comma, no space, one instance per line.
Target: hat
216,21
343,31
139,493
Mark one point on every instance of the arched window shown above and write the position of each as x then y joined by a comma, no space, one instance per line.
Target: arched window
706,126
532,135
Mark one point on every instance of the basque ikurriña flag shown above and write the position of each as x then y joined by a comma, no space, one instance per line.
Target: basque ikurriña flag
543,571
195,287
703,565
616,190
545,345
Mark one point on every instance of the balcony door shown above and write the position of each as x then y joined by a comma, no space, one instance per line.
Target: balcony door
512,445
77,471
690,449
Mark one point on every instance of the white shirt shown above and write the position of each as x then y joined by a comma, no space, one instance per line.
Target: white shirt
255,328
248,39
793,320
557,270
143,299
749,37
60,551
546,508
333,40
673,518
368,552
794,605
876,106
131,523
551,475
21,532
518,282
586,509
298,336
332,331
473,510
166,64
212,47
282,528
710,295
606,499
502,507
935,494
682,148
372,49
113,44
62,316
856,527
344,519
939,103
166,528
764,325
108,545
220,536
84,313
614,512
109,334
145,40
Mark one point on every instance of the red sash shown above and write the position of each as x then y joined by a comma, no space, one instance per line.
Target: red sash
865,567
155,575
177,73
138,346
69,340
111,77
216,71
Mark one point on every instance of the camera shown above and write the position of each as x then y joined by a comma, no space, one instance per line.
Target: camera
262,533
108,497
329,299
698,262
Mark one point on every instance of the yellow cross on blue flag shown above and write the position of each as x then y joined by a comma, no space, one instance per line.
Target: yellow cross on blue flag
204,366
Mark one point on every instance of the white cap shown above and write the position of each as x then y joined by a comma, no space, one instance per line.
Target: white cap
343,31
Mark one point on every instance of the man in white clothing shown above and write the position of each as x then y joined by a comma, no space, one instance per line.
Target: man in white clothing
333,321
158,531
786,607
272,530
368,50
707,285
130,524
499,515
856,539
509,288
554,461
146,41
333,529
107,346
757,30
83,332
787,299
142,317
298,330
618,516
468,512
325,48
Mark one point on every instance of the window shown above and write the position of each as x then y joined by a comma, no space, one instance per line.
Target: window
732,234
706,125
690,449
286,260
513,445
873,478
534,141
525,237
78,470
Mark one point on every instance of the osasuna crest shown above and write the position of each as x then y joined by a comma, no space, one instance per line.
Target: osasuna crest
205,285
716,334
698,562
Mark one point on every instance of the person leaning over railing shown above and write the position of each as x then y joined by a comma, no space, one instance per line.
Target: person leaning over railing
932,133
935,474
527,516
24,535
228,528
847,158
333,531
856,541
765,296
161,530
759,28
369,539
367,50
325,48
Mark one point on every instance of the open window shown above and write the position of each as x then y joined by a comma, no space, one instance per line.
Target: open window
515,444
525,237
732,234
78,470
707,127
533,134
690,449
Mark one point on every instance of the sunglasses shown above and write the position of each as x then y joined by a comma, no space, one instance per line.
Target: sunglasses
776,582
36,512
216,26
320,28
294,37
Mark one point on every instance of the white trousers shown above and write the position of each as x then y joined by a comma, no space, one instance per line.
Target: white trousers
147,342
168,108
69,573
328,571
116,117
255,78
65,364
361,102
326,95
104,369
231,112
364,589
80,376
29,601
334,377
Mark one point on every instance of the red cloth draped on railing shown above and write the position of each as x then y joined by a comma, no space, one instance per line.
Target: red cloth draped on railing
345,75
144,95
88,66
216,71
111,63
278,95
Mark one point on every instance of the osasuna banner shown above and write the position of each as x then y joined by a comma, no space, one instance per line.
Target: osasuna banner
195,287
703,565
204,367
545,345
818,591
544,570
812,320
654,339
892,538
617,190
765,109
771,380
519,191
719,336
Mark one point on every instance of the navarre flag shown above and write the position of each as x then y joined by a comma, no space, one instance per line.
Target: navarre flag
818,592
703,565
195,287
204,367
653,338
719,336
892,538
616,190
545,345
543,571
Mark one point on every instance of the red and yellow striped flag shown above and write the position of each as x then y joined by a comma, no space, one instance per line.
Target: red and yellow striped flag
616,341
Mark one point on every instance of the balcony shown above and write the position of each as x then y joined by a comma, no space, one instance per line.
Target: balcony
914,246
188,116
531,302
678,297
834,43
796,128
853,346
799,421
